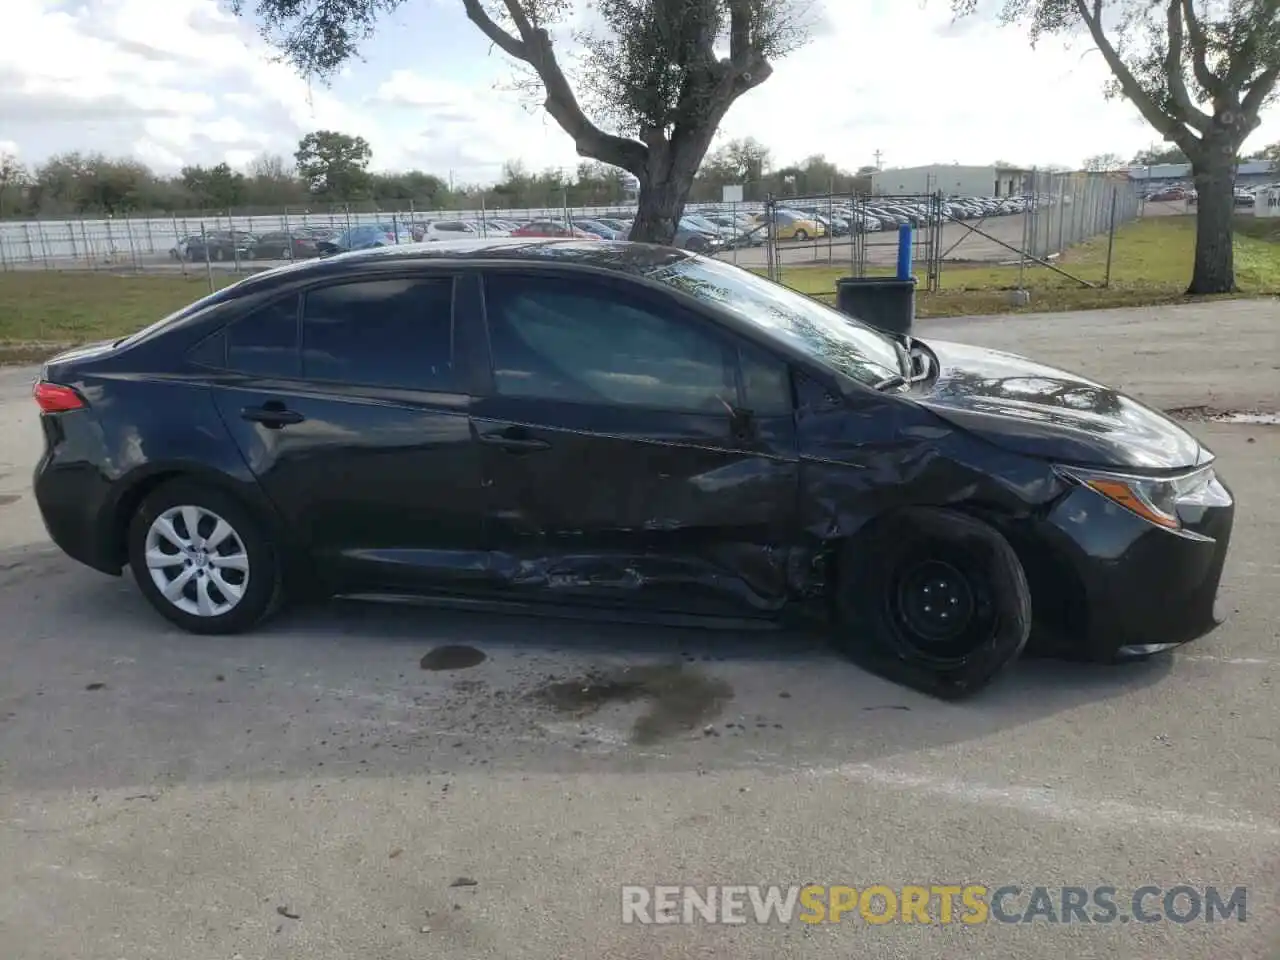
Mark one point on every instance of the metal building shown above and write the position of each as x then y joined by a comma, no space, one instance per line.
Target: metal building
952,180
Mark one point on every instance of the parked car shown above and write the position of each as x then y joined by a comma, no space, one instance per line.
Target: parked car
689,237
601,229
179,250
366,237
220,245
616,223
419,426
696,221
294,243
553,228
792,225
432,230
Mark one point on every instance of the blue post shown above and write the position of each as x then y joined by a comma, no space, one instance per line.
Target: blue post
904,251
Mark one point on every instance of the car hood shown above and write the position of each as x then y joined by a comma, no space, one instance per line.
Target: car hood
1041,411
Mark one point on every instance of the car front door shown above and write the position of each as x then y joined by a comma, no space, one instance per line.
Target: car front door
350,404
632,451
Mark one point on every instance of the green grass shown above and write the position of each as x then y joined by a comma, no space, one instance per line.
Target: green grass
1151,264
52,307
43,310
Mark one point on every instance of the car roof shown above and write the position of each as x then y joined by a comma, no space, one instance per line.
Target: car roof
619,256
638,260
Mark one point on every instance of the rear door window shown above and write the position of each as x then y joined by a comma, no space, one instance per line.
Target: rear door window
265,343
395,333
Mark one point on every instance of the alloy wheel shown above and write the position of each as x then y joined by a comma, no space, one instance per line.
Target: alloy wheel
197,561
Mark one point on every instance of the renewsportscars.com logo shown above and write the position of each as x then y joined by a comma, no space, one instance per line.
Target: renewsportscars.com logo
929,904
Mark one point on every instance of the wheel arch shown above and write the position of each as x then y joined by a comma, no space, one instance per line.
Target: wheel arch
142,482
1059,600
997,516
864,627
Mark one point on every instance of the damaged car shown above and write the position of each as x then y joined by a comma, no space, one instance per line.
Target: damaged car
635,430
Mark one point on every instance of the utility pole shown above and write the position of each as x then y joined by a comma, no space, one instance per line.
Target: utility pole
878,154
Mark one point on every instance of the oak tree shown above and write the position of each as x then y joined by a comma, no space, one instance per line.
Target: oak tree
1199,71
334,164
658,76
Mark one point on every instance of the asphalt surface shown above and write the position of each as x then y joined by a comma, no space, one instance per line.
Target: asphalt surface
310,791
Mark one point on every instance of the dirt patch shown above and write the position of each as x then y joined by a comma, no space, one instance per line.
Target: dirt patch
456,657
1205,414
679,700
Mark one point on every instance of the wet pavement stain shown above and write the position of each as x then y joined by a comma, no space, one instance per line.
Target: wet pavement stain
8,498
680,700
457,657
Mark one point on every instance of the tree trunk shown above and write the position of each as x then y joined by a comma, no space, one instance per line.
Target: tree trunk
1215,270
659,209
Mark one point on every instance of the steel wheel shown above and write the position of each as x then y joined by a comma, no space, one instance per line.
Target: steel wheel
932,598
197,561
940,612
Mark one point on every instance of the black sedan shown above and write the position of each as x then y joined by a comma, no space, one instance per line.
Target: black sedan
611,425
220,245
296,243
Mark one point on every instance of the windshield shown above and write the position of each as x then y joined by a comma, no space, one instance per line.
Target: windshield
851,347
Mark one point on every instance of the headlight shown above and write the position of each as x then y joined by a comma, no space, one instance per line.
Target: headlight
1155,499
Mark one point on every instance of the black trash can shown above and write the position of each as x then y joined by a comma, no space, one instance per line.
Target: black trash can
886,303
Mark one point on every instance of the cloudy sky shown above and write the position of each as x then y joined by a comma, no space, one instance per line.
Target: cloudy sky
172,82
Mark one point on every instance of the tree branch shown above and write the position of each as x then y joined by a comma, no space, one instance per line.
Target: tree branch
1129,85
534,48
1212,83
1173,68
500,38
1259,90
739,30
1242,64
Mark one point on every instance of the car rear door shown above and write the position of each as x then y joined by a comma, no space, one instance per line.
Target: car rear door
350,403
619,462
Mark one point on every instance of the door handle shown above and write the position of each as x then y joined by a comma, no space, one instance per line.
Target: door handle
515,439
273,415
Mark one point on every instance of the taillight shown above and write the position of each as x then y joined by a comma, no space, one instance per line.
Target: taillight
55,398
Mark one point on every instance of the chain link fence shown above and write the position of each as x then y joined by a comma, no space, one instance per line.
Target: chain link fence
779,236
1073,207
859,234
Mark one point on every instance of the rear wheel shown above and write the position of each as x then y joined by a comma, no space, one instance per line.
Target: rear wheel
802,236
201,559
933,599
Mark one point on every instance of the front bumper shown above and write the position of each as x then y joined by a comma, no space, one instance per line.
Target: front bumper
1108,585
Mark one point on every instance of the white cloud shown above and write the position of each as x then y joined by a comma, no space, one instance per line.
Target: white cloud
183,81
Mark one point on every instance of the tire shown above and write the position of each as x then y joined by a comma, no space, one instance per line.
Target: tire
885,622
262,585
801,236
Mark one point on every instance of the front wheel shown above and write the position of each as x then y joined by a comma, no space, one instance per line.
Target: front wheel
932,599
202,559
801,236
